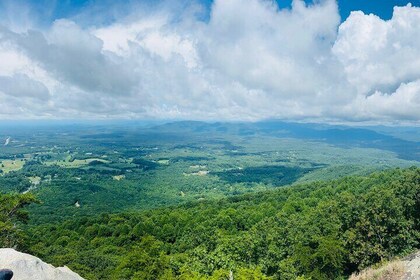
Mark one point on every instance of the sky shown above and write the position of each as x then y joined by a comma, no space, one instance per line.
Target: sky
352,61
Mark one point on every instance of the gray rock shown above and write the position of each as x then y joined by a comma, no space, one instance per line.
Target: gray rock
412,264
27,267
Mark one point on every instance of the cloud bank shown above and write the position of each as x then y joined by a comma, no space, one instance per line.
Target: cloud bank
250,60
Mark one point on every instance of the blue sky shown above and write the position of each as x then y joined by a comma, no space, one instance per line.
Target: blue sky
50,10
211,60
381,8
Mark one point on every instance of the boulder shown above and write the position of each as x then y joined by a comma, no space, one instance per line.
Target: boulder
412,264
28,267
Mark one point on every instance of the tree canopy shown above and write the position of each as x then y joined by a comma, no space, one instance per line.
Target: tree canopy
12,212
321,230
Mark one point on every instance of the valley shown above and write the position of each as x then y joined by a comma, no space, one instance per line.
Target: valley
195,200
101,166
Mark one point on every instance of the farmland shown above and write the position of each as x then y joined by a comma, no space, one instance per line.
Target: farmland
101,166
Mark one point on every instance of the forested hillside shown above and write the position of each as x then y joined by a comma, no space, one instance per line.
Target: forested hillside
321,230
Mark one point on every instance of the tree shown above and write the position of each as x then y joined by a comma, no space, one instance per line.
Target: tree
11,213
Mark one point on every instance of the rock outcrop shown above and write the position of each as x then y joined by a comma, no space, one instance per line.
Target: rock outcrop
398,269
27,267
412,264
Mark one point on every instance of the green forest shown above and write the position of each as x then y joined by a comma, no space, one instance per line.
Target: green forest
317,230
195,200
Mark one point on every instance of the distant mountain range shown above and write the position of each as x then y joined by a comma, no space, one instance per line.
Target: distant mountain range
343,136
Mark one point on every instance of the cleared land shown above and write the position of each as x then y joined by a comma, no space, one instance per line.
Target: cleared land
75,163
8,165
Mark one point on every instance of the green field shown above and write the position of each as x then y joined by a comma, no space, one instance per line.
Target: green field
9,165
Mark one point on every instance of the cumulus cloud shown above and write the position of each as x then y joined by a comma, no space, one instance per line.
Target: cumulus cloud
378,54
21,85
381,60
249,60
262,47
74,56
404,103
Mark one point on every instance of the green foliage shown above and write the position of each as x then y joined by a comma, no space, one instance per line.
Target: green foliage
321,230
12,212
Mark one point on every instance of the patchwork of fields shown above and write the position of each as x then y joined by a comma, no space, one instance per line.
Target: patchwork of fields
115,168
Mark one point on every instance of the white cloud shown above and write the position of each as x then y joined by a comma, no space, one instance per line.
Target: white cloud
21,86
272,50
381,60
378,54
404,103
250,60
149,34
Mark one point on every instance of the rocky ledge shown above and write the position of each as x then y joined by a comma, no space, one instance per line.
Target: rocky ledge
412,264
27,267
